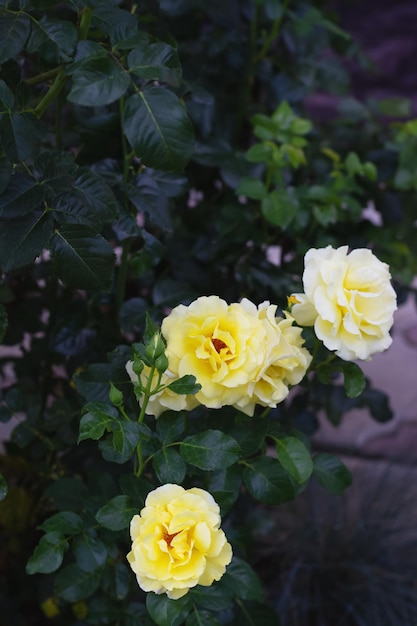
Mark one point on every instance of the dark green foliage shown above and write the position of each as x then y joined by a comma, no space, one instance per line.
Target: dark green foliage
151,153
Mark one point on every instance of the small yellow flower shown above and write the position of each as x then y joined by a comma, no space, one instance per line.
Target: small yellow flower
50,607
177,542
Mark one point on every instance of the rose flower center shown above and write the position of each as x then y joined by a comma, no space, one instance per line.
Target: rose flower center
218,344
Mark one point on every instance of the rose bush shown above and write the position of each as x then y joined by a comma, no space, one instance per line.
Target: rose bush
349,299
177,542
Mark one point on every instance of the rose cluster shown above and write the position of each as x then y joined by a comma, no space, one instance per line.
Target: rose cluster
240,354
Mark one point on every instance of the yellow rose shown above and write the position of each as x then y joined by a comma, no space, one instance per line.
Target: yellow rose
177,542
240,354
349,299
285,362
165,399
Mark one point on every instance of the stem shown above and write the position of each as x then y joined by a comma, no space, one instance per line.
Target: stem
86,15
40,78
273,33
52,93
147,393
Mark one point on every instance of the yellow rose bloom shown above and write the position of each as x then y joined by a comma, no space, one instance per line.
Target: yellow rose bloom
349,299
177,542
165,399
240,354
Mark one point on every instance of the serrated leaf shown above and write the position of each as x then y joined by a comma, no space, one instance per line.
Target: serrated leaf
64,522
98,81
20,134
22,196
119,24
201,618
170,427
185,385
48,554
169,466
22,240
254,613
116,581
90,552
279,207
267,481
295,458
117,513
147,197
210,450
241,581
73,584
62,33
14,31
6,97
99,419
156,61
82,259
166,612
125,438
157,126
331,473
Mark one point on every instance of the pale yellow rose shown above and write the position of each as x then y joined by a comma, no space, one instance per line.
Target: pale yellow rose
349,299
240,354
177,542
165,399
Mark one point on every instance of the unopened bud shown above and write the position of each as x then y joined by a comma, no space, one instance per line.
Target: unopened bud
115,395
161,363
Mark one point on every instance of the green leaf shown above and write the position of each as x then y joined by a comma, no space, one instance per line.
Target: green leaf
48,554
22,196
170,427
61,33
22,240
100,417
295,458
212,598
280,207
201,618
157,126
210,450
156,61
64,522
331,473
166,612
249,433
125,438
3,487
252,188
255,613
116,581
241,581
119,24
68,494
117,513
353,379
90,552
148,197
6,97
185,385
267,481
73,584
224,485
14,31
169,466
82,259
20,134
98,81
